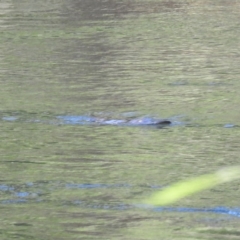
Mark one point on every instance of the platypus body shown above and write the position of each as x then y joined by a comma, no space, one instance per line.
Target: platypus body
144,121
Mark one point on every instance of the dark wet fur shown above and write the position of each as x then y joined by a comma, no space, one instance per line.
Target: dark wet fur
164,122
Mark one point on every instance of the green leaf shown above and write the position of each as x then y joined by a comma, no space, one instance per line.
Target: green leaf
190,186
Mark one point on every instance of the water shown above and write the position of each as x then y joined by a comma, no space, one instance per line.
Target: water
117,59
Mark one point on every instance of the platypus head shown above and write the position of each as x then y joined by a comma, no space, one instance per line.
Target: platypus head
164,122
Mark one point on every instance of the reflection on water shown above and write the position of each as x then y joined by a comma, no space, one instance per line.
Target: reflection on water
77,59
36,192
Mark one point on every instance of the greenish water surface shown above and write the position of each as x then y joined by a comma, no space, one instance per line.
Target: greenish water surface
169,59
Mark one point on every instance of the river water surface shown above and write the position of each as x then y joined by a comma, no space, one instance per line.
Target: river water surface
118,59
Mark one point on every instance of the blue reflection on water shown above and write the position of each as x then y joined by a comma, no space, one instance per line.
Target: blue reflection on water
96,185
77,119
229,125
10,118
21,196
6,188
219,209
